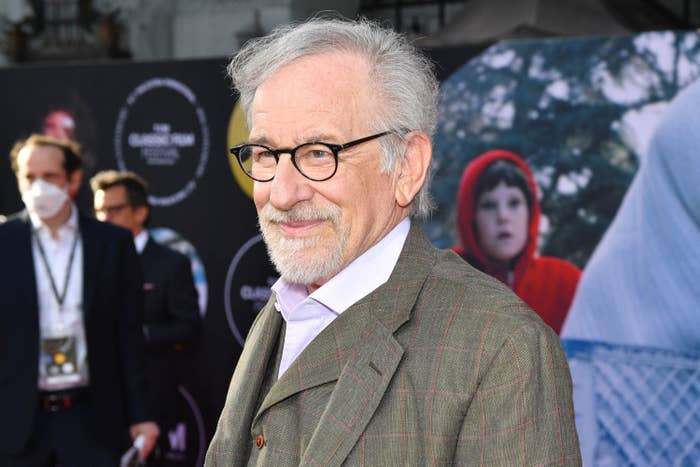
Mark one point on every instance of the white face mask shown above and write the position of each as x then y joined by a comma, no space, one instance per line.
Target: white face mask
44,199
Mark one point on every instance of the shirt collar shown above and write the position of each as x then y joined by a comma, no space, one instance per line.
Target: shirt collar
71,225
367,272
140,241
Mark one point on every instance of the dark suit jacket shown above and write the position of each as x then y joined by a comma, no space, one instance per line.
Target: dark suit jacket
112,315
171,318
441,365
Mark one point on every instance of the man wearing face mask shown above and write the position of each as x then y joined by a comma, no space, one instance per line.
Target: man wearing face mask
70,322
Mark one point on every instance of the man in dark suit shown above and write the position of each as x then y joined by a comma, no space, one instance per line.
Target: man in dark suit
71,346
375,348
171,317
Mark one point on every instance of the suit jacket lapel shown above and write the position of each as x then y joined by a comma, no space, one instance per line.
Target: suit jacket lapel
359,350
92,252
26,269
244,391
357,394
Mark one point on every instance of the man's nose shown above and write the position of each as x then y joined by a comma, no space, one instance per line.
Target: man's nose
289,186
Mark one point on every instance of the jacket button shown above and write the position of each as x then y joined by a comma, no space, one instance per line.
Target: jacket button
259,441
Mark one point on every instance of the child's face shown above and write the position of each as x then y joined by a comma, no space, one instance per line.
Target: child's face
502,221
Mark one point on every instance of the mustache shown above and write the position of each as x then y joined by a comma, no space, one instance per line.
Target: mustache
300,212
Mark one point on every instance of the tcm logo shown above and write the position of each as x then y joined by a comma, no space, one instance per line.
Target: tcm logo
178,437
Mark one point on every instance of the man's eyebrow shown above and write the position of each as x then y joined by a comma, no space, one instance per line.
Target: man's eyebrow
322,138
307,138
258,140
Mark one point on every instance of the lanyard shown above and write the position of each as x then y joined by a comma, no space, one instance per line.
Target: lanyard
59,298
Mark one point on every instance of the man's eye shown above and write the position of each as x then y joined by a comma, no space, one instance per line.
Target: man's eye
319,153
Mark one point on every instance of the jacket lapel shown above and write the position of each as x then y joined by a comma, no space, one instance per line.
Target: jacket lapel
357,394
92,252
244,391
26,270
358,350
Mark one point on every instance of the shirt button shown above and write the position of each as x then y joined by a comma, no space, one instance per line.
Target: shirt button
259,441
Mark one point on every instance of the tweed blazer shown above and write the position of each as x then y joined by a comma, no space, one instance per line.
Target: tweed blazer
441,365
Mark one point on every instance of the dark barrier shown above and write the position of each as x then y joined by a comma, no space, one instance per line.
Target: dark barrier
171,122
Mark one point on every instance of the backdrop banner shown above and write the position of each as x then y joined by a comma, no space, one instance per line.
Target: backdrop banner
579,111
172,123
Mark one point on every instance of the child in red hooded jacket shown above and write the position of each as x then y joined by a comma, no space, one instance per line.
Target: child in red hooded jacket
498,217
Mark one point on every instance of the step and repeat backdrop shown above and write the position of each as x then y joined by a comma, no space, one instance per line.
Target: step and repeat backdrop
580,112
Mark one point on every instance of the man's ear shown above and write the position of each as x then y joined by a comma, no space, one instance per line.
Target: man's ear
413,169
74,181
141,213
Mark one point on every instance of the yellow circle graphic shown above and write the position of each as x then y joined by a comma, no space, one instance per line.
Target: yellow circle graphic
59,358
236,134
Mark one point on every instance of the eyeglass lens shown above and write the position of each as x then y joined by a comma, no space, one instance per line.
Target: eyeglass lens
314,160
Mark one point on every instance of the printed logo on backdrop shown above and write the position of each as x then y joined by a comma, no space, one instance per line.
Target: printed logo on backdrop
174,240
185,440
162,134
247,288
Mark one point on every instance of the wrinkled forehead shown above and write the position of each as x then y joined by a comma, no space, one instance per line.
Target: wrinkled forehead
318,93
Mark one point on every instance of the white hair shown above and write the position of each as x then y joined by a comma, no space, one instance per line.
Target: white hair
406,87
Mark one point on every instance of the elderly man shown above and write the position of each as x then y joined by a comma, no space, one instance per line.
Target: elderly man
375,348
70,322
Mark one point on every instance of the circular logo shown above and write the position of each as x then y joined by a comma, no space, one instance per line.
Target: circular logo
237,133
247,286
183,441
177,242
162,134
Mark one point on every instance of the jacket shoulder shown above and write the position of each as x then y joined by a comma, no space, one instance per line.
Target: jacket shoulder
91,226
481,306
165,253
13,226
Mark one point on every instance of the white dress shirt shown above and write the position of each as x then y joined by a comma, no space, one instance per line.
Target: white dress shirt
140,241
55,321
307,315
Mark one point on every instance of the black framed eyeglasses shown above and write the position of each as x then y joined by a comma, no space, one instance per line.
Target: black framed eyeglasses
109,211
315,160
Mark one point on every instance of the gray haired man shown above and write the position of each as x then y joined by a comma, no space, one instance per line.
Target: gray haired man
375,348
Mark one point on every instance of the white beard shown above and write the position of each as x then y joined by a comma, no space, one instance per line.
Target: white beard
303,260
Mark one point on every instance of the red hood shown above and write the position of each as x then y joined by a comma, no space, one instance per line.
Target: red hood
465,212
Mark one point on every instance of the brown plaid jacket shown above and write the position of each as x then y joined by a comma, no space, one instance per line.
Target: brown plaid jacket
441,365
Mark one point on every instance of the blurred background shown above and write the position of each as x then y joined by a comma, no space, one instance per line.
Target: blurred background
74,30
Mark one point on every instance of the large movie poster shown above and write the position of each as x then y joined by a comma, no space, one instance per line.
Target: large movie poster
584,115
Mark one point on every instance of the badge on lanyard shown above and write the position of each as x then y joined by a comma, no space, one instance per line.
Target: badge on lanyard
59,356
60,359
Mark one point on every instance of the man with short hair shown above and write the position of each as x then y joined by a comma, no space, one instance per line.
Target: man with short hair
171,316
70,323
375,348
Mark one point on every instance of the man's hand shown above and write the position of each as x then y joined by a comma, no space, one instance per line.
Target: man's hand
150,433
